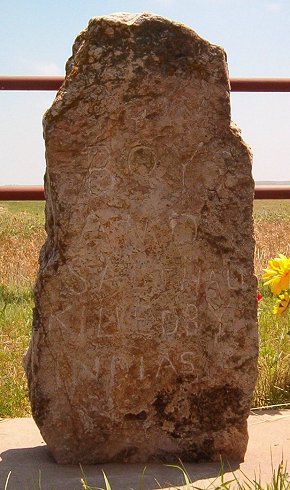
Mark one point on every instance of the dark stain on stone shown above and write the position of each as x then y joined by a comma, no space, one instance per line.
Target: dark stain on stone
36,321
211,410
39,405
217,407
160,404
136,416
202,452
126,455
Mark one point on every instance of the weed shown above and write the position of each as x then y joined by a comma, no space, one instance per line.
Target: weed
7,480
280,480
21,236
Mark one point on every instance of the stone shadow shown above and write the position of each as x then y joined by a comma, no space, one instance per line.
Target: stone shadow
267,411
29,465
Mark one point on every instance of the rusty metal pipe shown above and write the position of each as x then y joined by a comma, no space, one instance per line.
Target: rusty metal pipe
30,83
53,83
22,193
24,82
36,192
260,84
272,192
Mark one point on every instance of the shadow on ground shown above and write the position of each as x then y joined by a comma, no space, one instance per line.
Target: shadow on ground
29,465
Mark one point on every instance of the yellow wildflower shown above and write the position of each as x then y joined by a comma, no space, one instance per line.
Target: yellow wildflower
278,273
282,303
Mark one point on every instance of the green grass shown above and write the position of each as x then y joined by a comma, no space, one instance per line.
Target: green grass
273,384
270,209
236,481
36,208
21,236
15,325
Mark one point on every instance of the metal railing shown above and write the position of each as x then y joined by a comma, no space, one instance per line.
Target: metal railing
36,192
33,193
20,82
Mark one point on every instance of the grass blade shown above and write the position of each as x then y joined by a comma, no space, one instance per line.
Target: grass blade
7,480
107,483
187,480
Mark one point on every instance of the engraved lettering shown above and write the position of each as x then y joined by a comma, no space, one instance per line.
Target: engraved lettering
75,283
165,363
187,359
169,322
143,318
96,368
100,180
191,325
184,228
141,373
98,157
107,325
213,294
141,159
235,280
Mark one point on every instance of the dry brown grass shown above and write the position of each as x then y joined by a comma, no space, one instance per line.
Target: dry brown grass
21,236
272,231
272,237
272,234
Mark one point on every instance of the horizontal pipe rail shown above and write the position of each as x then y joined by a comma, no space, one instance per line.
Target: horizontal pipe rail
30,83
21,82
260,84
22,193
36,192
272,192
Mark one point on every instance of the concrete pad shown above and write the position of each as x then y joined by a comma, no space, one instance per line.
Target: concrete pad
23,452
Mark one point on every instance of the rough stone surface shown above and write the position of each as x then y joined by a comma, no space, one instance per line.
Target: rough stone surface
144,342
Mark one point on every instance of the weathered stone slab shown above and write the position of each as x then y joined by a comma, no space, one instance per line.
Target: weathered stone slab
144,340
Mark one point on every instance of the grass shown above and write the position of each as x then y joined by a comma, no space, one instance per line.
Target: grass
273,384
15,324
272,232
21,236
280,481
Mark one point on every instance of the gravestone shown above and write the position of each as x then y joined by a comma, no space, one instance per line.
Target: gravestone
144,343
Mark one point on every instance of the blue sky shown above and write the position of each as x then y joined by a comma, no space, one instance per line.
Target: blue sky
36,38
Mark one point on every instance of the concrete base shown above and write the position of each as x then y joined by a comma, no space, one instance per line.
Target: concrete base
23,452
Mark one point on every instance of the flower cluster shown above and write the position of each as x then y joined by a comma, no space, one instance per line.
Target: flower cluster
277,276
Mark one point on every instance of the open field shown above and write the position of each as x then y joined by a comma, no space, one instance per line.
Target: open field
21,236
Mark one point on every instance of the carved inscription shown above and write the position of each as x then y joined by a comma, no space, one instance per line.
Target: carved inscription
144,321
142,159
141,368
100,177
98,156
184,228
186,323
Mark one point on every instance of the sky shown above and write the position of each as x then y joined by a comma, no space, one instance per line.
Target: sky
36,37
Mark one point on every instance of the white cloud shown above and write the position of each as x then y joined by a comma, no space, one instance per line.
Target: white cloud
274,7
